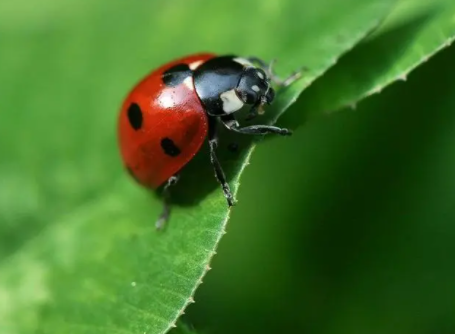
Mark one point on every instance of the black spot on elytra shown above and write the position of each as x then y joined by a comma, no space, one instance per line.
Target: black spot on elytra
176,74
135,116
169,147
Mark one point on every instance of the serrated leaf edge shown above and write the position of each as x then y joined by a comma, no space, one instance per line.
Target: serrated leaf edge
400,77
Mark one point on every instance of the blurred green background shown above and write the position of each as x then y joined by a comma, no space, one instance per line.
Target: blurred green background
354,231
346,227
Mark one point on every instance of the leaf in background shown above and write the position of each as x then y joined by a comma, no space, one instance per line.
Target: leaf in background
414,32
78,249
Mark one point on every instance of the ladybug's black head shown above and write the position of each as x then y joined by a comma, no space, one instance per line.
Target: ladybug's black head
254,87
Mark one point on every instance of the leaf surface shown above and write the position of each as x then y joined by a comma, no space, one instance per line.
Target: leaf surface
78,249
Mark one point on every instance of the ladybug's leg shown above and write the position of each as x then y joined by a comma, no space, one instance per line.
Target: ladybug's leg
268,68
289,80
166,207
213,143
231,123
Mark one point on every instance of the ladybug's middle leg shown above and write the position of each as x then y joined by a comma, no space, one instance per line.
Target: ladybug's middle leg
220,176
164,217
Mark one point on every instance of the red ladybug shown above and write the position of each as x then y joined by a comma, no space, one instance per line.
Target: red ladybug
168,115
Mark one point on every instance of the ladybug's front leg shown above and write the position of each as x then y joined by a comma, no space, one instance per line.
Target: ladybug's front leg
231,123
254,111
164,217
213,143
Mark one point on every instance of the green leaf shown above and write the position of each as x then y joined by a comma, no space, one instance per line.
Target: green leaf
78,249
413,33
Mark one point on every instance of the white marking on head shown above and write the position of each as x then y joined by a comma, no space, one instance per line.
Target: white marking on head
260,75
255,88
194,65
188,82
231,102
243,61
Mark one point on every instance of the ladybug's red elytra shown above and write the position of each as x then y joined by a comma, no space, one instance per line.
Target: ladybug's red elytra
167,116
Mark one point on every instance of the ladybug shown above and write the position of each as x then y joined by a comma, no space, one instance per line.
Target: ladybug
167,116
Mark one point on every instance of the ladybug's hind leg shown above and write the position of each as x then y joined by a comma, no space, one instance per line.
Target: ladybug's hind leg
164,217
